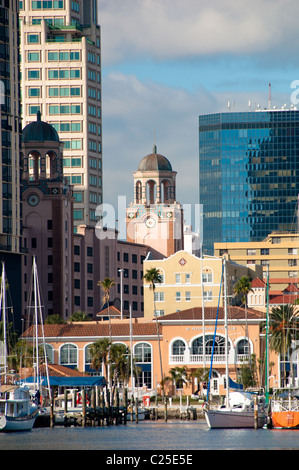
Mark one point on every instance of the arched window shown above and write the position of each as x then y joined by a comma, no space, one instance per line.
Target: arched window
207,276
143,352
197,345
151,192
69,355
50,353
243,347
138,192
178,348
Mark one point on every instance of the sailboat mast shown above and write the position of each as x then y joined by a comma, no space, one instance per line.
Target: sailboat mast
3,299
36,322
131,345
267,343
226,335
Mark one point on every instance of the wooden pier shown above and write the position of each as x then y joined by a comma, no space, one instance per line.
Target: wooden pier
99,411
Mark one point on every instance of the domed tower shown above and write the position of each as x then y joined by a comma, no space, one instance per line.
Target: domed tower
47,216
155,218
42,152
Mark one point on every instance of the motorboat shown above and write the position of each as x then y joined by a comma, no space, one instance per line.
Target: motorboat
285,410
17,412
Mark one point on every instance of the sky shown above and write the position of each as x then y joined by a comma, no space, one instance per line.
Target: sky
165,62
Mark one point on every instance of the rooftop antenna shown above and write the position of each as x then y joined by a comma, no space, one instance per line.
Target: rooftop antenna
269,96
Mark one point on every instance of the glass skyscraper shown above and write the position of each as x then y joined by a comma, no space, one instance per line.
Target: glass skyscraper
248,174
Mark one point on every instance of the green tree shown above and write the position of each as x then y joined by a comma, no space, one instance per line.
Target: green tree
242,288
153,277
247,374
179,376
106,286
55,320
79,316
99,353
283,332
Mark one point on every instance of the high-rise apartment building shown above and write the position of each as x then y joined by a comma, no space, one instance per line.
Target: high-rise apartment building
10,200
249,174
61,78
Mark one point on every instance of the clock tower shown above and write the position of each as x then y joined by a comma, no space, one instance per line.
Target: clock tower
155,218
47,217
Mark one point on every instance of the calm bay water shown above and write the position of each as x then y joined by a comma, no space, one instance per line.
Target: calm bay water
148,435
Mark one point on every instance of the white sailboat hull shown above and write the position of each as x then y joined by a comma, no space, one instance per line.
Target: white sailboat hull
233,419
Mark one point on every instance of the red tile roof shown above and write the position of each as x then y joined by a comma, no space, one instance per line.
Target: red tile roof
56,370
257,282
113,312
210,313
91,329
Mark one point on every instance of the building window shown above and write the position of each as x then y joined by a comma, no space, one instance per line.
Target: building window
159,296
208,296
143,358
69,355
188,296
207,276
178,279
178,348
159,313
178,296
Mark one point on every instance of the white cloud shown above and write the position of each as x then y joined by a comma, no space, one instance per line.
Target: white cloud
133,111
172,29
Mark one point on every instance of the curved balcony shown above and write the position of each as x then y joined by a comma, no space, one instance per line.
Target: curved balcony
198,359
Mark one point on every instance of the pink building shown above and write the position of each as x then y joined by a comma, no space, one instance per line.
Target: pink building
47,218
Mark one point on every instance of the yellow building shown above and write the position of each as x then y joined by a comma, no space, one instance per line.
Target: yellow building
182,287
279,252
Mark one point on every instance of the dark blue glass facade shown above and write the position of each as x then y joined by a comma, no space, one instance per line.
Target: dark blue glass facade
248,175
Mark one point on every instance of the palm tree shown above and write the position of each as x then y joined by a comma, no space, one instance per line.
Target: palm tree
284,331
243,287
119,354
153,277
99,352
179,376
106,286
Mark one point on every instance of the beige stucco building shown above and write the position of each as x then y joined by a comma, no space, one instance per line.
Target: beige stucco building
182,285
278,253
60,49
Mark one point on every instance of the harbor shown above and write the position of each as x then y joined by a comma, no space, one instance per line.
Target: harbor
177,436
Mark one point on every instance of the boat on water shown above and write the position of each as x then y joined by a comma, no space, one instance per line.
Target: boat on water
285,410
240,413
242,409
17,411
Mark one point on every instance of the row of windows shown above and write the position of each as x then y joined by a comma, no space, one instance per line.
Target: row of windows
179,296
179,346
69,354
55,74
47,4
134,257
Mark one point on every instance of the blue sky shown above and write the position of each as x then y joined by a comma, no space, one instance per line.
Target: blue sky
165,62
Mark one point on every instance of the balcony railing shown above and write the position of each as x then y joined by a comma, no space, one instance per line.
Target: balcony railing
199,358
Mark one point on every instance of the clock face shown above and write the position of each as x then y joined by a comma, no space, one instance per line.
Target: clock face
33,200
150,222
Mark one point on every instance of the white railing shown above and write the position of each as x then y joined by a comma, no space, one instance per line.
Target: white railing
199,358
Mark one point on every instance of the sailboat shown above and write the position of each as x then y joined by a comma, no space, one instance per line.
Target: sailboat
40,383
242,409
17,412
